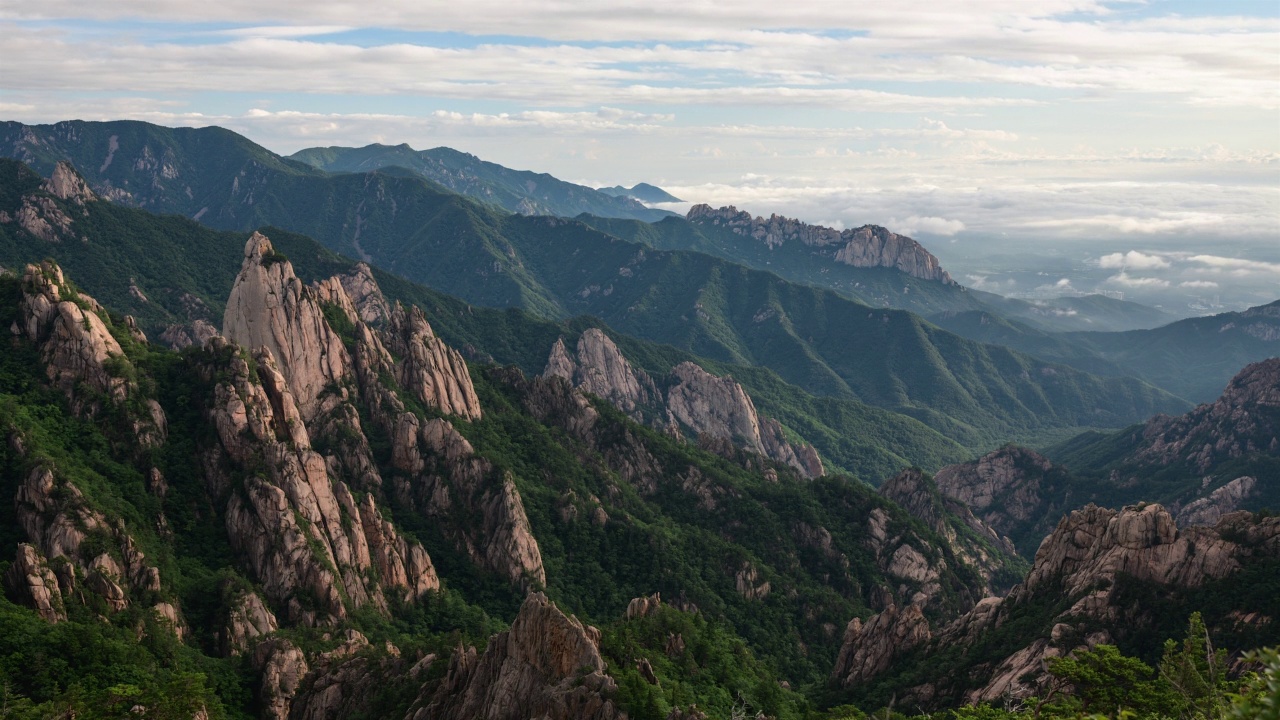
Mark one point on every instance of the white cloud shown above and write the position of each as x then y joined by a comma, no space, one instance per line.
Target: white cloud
1198,284
1236,266
928,225
1132,259
1127,280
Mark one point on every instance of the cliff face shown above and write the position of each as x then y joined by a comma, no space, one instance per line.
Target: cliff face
972,540
270,307
300,529
1244,420
1012,490
867,246
690,400
81,356
547,665
1082,561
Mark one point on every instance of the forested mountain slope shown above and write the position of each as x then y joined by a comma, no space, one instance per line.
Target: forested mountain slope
517,191
977,395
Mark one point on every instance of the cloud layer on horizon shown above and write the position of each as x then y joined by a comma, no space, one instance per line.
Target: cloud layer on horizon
1057,120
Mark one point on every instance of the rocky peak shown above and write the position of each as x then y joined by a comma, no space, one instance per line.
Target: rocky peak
1084,559
600,369
270,307
442,476
434,372
299,528
708,406
365,294
720,407
972,540
547,665
870,648
867,246
1228,498
67,184
1011,490
1244,420
79,351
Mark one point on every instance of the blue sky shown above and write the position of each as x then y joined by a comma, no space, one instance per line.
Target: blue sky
1156,124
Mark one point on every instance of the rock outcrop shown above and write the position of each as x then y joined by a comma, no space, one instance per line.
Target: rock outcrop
599,368
58,520
80,354
41,214
1226,499
299,529
67,184
694,401
282,667
867,246
443,477
972,540
31,582
1083,561
360,285
247,620
869,648
1011,490
547,665
270,307
430,370
1243,421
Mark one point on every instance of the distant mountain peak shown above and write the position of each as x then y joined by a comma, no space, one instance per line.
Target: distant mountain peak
644,192
866,246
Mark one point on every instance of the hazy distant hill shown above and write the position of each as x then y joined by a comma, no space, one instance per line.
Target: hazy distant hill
644,192
517,191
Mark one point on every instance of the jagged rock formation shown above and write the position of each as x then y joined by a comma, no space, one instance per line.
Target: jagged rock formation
443,476
600,369
40,215
869,649
1209,509
547,665
695,400
66,184
908,558
81,355
435,373
282,666
31,582
1011,490
1081,562
366,296
299,529
972,540
197,333
58,521
269,307
248,619
343,681
643,606
867,246
1244,420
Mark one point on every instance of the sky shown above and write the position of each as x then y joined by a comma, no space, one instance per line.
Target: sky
1089,126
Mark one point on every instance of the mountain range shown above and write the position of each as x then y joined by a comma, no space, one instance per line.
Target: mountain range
446,460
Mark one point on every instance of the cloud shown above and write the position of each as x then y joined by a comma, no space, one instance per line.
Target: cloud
1132,259
927,225
1198,284
1127,280
1236,266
